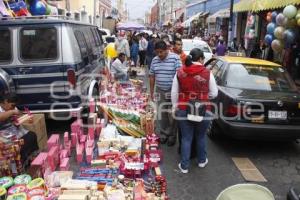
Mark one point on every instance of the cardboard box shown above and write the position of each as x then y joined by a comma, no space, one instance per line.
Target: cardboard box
43,143
38,126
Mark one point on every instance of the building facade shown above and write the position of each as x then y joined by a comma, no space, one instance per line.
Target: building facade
82,10
104,10
167,9
154,15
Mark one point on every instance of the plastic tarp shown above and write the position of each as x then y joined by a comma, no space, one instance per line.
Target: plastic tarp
246,192
244,5
127,26
273,4
259,5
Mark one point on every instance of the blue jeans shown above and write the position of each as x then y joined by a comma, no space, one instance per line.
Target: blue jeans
188,129
121,77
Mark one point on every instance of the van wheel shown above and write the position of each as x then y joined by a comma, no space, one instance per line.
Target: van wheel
86,110
96,96
213,131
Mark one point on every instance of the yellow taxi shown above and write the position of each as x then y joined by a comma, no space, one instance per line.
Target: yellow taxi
257,99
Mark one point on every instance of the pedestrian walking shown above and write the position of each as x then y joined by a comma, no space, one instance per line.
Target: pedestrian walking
161,74
177,49
150,53
143,44
193,83
233,45
221,48
122,45
134,50
256,51
110,51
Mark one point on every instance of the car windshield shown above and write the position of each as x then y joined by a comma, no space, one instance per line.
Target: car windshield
257,77
188,46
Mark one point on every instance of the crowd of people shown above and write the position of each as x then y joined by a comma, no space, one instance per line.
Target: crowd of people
178,82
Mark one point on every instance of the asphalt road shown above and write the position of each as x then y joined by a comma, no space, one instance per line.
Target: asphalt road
279,162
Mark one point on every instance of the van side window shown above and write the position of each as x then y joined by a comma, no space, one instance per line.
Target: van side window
39,43
89,36
96,37
5,47
81,42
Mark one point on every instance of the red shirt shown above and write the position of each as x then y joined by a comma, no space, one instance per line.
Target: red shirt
193,84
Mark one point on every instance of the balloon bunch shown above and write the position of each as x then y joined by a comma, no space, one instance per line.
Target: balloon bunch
281,30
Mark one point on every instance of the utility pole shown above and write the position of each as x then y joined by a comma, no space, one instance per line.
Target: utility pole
172,10
159,8
95,10
68,5
230,22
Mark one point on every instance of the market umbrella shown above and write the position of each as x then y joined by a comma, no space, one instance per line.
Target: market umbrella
130,26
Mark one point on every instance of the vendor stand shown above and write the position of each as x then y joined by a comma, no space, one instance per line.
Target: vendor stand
117,156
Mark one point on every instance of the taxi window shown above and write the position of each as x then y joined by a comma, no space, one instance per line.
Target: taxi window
210,63
5,47
217,70
256,77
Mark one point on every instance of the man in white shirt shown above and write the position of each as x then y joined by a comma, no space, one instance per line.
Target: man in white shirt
119,69
122,45
143,44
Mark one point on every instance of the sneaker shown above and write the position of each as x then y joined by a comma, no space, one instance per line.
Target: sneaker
184,171
202,165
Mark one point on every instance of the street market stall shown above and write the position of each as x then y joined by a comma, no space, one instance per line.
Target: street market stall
116,156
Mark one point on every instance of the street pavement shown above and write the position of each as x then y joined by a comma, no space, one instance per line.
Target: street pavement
279,162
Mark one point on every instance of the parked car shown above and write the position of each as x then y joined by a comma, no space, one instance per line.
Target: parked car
51,64
105,33
189,44
257,99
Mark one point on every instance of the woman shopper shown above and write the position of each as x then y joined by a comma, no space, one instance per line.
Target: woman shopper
193,82
134,50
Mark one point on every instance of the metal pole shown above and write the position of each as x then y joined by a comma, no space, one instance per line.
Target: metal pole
172,10
159,17
68,5
95,10
230,22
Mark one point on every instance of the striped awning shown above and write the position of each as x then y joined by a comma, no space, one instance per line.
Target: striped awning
243,6
187,23
260,5
225,13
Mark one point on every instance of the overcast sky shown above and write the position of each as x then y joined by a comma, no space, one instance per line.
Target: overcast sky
137,8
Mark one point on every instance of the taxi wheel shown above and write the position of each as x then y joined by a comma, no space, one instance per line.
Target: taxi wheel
213,131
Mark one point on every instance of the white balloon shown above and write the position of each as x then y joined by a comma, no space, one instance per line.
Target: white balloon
290,11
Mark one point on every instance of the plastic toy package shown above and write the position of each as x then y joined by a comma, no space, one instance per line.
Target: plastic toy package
23,8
